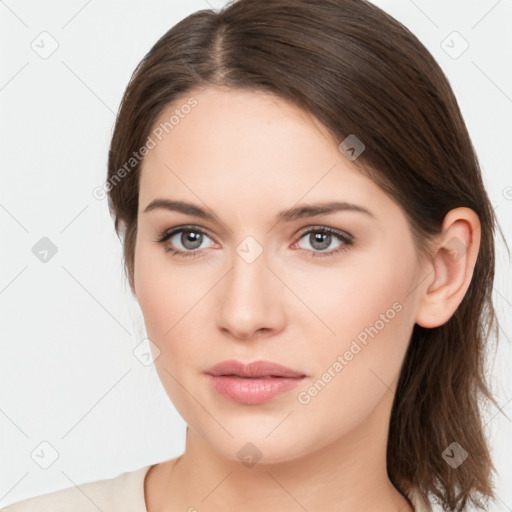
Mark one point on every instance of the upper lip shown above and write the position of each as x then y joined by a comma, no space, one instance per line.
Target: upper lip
254,369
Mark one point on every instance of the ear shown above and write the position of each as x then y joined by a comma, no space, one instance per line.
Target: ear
450,269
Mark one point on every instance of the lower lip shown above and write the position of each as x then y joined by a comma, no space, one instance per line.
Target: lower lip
252,391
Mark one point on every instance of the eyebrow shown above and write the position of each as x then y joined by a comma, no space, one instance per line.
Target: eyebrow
297,212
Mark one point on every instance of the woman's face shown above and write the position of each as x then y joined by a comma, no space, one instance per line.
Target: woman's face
337,307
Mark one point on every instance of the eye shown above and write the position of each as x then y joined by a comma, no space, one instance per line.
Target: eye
321,237
190,238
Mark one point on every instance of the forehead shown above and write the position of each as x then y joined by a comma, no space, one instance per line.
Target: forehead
235,122
239,147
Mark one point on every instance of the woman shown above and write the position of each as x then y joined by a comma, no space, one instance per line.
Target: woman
308,236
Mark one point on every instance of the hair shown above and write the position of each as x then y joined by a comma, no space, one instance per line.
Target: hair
358,71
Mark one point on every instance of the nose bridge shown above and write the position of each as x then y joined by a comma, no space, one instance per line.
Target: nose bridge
250,299
249,266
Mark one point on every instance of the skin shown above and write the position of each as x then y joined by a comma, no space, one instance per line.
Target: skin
245,156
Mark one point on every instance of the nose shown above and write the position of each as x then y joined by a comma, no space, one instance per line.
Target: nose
250,300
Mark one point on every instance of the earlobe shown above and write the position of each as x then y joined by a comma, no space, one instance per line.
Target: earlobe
451,269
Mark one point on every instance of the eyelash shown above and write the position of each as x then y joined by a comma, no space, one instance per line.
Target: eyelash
347,240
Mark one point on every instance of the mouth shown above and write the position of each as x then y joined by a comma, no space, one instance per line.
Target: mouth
262,377
253,384
256,369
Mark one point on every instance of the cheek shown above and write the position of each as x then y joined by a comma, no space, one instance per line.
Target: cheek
172,300
164,294
156,299
359,367
348,302
370,315
161,297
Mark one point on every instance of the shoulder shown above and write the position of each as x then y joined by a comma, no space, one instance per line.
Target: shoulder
123,492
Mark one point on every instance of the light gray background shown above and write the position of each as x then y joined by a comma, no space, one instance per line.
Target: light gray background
69,326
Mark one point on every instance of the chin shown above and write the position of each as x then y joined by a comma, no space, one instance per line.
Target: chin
252,448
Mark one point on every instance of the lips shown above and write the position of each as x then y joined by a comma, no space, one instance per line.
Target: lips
254,383
254,370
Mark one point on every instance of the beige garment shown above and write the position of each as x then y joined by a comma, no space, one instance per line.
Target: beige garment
124,493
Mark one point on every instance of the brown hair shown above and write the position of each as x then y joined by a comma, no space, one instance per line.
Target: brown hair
358,71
